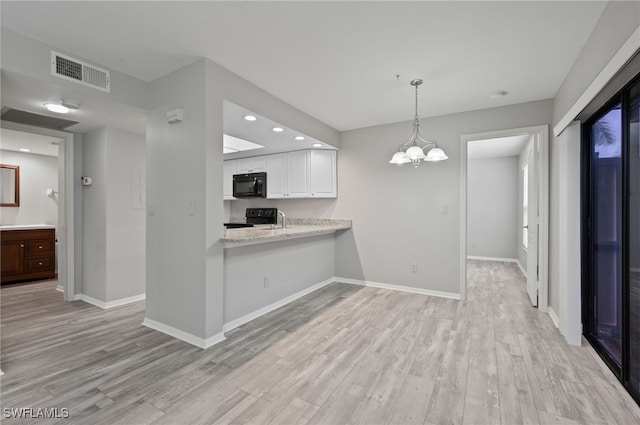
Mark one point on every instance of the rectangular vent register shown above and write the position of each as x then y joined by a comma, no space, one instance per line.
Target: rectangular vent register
71,69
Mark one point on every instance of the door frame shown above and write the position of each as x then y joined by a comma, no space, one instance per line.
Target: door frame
542,131
66,201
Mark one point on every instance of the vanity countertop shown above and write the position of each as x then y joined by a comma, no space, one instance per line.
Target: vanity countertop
296,228
26,226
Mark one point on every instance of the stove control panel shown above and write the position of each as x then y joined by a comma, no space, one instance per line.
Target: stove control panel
262,215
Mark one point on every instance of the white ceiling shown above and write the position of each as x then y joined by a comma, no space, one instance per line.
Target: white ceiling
261,132
12,140
336,61
497,148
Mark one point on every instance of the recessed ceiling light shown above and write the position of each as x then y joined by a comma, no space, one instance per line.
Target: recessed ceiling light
299,137
250,118
57,108
24,150
278,129
499,94
317,145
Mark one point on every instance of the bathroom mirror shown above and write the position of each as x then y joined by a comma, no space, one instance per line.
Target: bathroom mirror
9,185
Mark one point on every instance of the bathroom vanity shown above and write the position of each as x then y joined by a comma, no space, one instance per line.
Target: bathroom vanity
28,253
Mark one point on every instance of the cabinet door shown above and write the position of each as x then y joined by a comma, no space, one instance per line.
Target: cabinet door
12,258
252,165
228,170
299,174
277,176
323,174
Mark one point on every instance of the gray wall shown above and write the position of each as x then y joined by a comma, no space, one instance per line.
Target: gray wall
125,226
290,266
397,211
617,23
113,231
176,167
492,207
94,223
37,173
184,165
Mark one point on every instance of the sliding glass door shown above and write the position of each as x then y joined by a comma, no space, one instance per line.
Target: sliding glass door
611,235
633,306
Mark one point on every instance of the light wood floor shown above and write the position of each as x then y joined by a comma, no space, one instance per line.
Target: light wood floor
342,355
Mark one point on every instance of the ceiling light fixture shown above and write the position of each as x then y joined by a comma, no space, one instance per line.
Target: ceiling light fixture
317,145
299,137
278,129
250,118
62,107
411,151
24,150
57,108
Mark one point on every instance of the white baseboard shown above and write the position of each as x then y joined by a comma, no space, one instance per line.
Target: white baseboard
264,310
109,304
554,317
507,260
182,335
410,289
524,272
60,288
128,300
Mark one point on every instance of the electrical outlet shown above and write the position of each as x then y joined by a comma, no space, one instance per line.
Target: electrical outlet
414,268
266,282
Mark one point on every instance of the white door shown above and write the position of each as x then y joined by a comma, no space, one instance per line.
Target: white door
532,219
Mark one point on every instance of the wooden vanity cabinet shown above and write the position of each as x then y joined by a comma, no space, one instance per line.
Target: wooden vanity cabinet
27,255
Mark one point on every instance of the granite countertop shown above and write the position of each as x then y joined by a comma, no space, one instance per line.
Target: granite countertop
296,228
26,226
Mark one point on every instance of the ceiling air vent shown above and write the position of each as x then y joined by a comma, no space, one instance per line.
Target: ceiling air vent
74,70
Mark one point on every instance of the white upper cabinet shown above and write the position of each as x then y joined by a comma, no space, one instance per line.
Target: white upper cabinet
277,176
228,170
254,164
323,174
299,174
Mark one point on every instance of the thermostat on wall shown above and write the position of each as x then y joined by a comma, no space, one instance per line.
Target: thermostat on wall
86,181
177,115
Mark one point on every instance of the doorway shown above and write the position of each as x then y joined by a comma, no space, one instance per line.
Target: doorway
65,204
532,225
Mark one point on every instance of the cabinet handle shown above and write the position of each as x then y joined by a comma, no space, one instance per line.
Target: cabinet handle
40,263
39,246
21,245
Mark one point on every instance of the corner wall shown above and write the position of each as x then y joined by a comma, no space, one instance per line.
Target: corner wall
113,248
403,215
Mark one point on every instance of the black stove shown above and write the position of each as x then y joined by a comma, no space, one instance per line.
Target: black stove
261,215
256,216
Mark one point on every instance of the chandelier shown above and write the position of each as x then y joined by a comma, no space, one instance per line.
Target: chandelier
414,150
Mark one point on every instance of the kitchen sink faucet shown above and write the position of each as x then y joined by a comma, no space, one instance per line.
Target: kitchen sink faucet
284,219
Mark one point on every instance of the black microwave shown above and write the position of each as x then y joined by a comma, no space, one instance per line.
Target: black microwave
252,185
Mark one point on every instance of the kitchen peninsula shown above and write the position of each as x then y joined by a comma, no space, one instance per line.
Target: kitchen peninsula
266,267
295,228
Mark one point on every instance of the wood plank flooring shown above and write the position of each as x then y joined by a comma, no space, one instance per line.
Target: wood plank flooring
342,355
